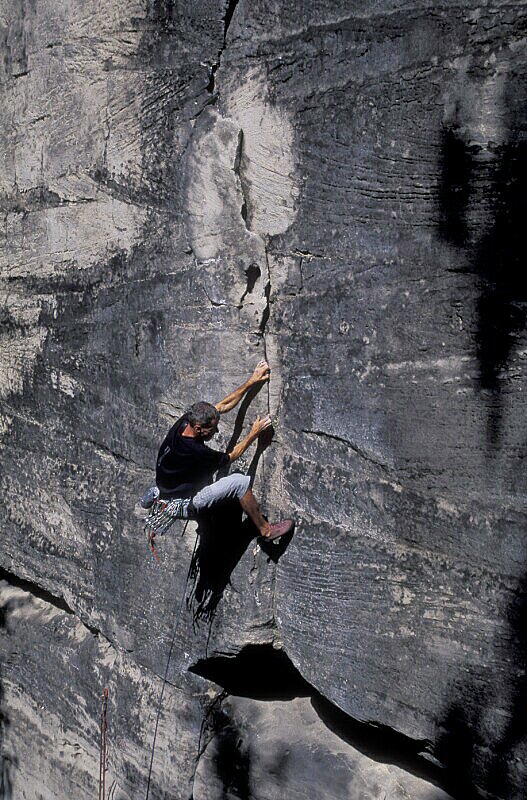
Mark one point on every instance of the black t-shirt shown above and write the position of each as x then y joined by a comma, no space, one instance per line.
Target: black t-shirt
185,465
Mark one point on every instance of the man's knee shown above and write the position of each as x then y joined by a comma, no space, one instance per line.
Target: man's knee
232,487
240,484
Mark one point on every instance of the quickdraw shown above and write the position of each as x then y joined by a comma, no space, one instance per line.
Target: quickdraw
163,514
152,524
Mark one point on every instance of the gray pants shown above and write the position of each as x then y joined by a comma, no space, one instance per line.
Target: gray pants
232,487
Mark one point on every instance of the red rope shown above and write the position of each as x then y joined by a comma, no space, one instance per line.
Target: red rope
102,759
151,540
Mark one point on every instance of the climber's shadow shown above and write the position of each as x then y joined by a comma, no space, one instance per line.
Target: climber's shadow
274,550
223,539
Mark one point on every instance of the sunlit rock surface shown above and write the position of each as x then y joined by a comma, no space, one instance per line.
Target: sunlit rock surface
189,188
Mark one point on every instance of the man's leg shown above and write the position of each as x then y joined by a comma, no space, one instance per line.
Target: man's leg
252,509
232,487
268,530
237,487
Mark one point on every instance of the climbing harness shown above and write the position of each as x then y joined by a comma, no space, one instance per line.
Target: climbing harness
177,615
102,757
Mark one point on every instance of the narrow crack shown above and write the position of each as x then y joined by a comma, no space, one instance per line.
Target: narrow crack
265,314
230,8
115,454
362,453
206,728
239,170
36,199
229,13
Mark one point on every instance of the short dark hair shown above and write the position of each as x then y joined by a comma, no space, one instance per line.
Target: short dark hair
203,414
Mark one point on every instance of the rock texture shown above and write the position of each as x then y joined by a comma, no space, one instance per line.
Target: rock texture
339,188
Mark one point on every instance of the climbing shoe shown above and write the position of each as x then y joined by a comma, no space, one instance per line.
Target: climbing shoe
278,529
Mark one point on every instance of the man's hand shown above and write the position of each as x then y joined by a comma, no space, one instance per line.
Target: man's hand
261,373
260,425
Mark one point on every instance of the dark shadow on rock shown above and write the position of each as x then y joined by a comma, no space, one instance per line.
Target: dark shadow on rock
223,539
456,750
500,263
262,672
258,671
484,760
454,188
264,440
275,549
6,762
230,759
497,250
240,416
514,736
232,762
379,742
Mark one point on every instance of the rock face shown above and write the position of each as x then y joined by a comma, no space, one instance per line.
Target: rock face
339,188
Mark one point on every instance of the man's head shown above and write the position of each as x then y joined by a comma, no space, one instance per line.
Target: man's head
204,419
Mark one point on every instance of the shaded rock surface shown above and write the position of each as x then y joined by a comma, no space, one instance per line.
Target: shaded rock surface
187,189
265,749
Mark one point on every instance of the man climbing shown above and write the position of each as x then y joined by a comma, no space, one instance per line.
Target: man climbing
186,466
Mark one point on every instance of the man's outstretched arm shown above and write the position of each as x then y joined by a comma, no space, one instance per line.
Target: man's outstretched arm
260,374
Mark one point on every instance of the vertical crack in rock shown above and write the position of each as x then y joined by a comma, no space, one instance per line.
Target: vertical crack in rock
231,758
267,310
240,172
230,8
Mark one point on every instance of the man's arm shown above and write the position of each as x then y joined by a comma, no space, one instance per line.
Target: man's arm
260,374
258,427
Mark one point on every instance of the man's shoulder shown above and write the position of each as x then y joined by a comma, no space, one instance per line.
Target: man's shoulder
177,427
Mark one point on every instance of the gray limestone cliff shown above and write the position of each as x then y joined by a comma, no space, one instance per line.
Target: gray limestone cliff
340,188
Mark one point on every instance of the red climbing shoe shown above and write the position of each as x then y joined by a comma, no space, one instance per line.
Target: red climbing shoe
277,529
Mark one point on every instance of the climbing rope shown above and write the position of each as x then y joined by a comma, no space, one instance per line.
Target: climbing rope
176,615
102,756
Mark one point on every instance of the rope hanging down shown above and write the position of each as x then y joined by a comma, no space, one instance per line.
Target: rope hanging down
177,615
102,757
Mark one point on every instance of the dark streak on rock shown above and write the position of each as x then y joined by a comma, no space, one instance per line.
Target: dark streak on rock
246,211
39,198
346,442
43,594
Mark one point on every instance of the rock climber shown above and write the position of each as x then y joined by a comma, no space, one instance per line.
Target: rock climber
186,466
